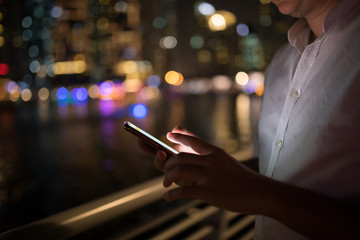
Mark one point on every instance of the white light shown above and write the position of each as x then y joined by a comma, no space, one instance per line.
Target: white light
34,66
56,12
168,42
206,9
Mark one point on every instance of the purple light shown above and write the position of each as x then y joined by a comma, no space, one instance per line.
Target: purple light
106,88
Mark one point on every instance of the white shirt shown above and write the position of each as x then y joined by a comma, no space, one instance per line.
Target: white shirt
309,128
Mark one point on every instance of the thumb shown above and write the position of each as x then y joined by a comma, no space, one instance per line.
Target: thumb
197,144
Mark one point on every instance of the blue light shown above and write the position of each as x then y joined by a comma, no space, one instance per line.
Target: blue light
62,93
153,81
139,110
73,94
242,30
82,94
250,87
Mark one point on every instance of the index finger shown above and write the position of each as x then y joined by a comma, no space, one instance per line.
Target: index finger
197,144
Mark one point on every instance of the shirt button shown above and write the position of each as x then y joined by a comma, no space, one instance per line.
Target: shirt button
279,143
294,94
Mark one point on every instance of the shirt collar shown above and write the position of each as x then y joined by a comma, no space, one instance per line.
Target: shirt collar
298,34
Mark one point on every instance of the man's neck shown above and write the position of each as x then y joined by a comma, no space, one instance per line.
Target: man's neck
317,18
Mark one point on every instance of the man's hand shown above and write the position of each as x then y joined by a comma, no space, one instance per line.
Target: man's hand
207,173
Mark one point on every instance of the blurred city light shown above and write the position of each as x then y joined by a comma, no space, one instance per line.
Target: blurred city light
139,110
26,95
217,22
174,78
159,22
221,83
153,81
168,42
44,94
4,69
62,93
205,8
242,78
242,30
221,20
196,41
69,67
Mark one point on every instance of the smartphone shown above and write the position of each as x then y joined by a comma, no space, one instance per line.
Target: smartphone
149,139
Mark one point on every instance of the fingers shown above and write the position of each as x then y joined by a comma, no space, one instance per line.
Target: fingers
184,159
160,159
183,175
180,129
182,192
194,142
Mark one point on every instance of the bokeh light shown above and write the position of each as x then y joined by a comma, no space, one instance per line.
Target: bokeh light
4,69
159,22
26,95
44,94
56,12
26,22
174,78
139,110
242,78
153,81
106,88
221,83
168,42
62,93
205,8
217,22
242,30
196,41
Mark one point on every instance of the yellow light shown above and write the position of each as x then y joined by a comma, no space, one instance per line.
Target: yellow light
42,72
79,66
79,57
171,77
132,85
130,67
26,95
174,78
1,28
221,20
242,78
2,41
93,91
44,94
222,57
102,24
2,94
217,22
204,56
1,16
69,67
14,94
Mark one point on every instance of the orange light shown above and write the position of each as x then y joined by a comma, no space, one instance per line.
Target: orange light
174,78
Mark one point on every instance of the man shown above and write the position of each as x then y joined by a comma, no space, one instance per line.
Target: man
309,132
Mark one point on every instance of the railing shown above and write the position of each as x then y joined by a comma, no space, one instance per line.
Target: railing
191,218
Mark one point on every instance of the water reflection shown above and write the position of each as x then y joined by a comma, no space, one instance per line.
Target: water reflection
56,157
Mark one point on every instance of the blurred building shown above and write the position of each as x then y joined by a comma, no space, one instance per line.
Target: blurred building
48,44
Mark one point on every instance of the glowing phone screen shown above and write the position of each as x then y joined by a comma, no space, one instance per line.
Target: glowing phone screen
151,137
